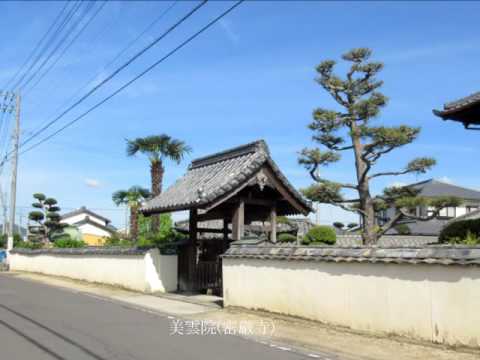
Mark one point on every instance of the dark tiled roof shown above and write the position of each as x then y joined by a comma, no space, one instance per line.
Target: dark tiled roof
458,105
465,110
435,188
84,210
208,178
388,240
83,251
443,255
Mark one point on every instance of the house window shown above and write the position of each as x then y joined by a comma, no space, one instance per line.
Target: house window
430,211
448,212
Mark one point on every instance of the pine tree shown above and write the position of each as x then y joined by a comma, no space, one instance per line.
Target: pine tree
47,216
350,129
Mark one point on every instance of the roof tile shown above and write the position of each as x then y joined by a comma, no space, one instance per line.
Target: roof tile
216,175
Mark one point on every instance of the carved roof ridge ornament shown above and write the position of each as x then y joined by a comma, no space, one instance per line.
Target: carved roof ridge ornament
262,180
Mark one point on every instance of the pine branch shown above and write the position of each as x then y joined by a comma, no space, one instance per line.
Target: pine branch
419,166
389,224
347,208
389,173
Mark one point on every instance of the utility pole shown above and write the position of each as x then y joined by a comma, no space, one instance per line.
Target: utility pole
4,210
13,189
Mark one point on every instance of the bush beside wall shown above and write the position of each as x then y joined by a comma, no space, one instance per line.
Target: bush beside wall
287,238
463,231
320,235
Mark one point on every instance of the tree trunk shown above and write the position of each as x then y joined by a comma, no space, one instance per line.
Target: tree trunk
156,173
133,222
369,235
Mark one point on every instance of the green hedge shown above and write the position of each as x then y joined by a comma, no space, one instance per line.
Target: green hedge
287,238
28,245
320,235
68,243
463,231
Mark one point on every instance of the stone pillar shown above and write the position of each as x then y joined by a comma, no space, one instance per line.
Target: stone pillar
273,224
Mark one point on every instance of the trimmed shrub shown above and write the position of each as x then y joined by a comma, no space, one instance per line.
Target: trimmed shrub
287,238
320,235
403,229
339,225
461,231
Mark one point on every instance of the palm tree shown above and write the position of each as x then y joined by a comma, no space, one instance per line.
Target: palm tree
158,148
132,197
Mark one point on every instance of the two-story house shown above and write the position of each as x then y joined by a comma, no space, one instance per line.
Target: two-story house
93,227
435,188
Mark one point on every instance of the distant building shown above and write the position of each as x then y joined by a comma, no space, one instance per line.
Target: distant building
473,215
295,226
94,228
17,230
465,110
435,188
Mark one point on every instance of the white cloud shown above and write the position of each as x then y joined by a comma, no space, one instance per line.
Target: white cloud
93,183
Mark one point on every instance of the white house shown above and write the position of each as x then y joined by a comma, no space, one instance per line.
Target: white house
94,228
434,188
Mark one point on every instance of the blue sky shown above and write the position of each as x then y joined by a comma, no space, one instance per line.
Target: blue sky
251,76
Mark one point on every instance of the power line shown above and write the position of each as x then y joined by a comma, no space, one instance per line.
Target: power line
185,42
47,43
3,110
6,109
6,137
29,57
72,41
67,34
117,56
118,70
147,29
72,208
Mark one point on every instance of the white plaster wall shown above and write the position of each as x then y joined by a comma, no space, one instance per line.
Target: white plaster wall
429,302
459,211
161,271
93,230
150,272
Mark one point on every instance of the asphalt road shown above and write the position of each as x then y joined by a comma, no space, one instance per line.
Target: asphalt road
41,322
